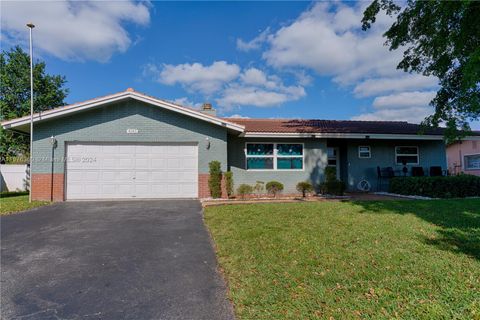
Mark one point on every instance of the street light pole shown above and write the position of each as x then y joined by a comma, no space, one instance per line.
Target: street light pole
31,26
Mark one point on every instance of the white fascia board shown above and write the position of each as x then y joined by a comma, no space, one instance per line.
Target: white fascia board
118,97
342,135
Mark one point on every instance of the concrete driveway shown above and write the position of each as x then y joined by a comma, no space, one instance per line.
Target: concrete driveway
110,260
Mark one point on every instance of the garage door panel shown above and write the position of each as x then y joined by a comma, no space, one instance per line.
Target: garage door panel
108,170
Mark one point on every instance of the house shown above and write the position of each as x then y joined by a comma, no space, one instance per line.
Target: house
130,145
464,156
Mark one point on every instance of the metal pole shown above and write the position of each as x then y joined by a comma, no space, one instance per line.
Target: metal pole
31,26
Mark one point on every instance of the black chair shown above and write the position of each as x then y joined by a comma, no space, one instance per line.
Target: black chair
436,171
417,172
384,173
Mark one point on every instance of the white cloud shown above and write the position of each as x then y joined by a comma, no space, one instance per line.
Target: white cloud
411,114
253,44
405,106
376,86
186,102
74,30
327,38
404,99
238,95
229,85
196,76
238,116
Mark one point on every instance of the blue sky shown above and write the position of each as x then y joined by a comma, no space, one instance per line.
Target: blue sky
252,59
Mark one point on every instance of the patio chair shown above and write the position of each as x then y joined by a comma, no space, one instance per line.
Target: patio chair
417,172
436,171
384,173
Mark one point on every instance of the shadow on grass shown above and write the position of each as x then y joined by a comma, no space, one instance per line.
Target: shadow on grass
458,221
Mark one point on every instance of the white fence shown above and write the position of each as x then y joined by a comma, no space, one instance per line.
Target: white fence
14,177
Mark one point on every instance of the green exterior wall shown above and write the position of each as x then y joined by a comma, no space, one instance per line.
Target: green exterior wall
431,153
109,123
352,168
315,160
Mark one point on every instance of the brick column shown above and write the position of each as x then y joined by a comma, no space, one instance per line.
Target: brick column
204,190
42,186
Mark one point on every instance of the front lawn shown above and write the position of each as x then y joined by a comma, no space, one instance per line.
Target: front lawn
13,204
362,260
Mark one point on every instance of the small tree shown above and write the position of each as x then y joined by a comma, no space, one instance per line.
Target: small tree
243,190
215,179
274,187
259,187
304,187
229,183
332,185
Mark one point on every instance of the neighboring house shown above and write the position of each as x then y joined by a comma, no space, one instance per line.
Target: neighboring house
130,145
464,156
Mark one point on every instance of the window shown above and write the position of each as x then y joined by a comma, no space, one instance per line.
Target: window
364,152
274,156
472,162
406,155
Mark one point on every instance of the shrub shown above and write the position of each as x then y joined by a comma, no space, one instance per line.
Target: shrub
259,187
332,185
229,183
215,179
274,187
304,187
330,173
335,187
6,194
243,190
437,187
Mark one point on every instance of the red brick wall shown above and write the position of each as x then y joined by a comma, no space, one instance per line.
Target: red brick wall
42,186
204,191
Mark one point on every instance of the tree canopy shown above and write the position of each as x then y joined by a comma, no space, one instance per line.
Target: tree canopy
441,39
49,92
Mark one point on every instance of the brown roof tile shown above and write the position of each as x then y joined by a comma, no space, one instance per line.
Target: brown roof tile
331,126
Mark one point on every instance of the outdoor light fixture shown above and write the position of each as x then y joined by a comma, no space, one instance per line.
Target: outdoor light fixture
53,141
208,142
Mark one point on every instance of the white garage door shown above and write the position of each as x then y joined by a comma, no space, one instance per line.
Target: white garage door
126,170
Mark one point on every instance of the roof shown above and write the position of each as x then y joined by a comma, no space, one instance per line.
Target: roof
332,126
21,124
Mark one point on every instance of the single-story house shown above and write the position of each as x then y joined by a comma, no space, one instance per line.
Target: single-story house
130,145
463,156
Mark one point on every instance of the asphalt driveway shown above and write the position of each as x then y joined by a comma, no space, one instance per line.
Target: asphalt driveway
110,260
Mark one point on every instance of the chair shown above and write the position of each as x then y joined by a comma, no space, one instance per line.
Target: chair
417,172
436,171
382,173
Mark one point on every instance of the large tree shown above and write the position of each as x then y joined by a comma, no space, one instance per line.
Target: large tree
439,38
49,92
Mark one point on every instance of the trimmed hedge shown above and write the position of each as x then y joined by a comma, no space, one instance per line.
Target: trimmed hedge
229,183
437,187
215,179
6,194
274,187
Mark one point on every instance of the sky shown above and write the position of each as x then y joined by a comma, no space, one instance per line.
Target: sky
249,59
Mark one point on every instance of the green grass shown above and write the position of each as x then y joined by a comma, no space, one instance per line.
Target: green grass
362,260
18,203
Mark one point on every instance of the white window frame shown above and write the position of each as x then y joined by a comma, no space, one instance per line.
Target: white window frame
275,156
407,155
465,162
369,152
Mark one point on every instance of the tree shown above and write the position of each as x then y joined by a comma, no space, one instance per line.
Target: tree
439,38
49,92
